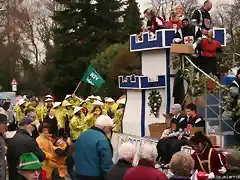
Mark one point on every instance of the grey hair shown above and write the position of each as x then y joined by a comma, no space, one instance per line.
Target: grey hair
181,164
148,151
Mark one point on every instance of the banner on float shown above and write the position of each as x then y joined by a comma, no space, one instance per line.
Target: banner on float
136,141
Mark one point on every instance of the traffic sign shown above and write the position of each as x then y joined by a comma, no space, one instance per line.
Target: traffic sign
14,82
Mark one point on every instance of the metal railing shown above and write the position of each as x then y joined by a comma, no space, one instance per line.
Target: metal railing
219,99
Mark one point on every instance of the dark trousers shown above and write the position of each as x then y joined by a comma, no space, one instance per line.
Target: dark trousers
168,146
82,177
70,164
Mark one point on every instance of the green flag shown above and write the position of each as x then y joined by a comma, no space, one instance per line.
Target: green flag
92,77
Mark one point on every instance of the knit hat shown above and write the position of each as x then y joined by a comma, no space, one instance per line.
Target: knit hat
3,116
26,121
29,161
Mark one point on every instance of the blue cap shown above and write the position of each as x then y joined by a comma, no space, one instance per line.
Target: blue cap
26,121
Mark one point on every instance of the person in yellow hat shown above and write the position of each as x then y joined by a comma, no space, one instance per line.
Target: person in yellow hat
77,123
67,113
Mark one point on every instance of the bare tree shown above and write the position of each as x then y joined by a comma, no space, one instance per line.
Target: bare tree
164,7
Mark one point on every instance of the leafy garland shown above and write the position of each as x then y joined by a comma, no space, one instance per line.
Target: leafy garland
155,102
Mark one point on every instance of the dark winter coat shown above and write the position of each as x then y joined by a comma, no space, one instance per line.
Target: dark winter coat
52,123
118,170
20,144
2,158
144,171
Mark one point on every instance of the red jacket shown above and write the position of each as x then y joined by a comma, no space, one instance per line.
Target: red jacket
158,23
144,171
215,162
209,49
172,24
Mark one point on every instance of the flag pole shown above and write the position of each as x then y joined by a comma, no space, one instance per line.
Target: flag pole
77,87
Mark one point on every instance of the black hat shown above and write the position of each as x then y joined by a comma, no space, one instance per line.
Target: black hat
3,116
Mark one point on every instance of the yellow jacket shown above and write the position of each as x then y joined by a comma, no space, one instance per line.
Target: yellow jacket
89,121
41,112
47,147
59,114
118,120
60,161
76,126
19,114
75,101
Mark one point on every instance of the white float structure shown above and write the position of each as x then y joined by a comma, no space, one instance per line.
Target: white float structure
156,74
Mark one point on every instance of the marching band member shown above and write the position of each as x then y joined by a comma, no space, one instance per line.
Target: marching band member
20,110
206,158
118,116
76,124
90,119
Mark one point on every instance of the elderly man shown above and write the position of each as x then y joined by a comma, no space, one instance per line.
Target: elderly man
145,169
93,151
126,154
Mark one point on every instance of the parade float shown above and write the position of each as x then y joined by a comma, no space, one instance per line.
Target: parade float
149,96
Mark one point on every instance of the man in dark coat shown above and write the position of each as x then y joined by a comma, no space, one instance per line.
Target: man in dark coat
201,17
126,154
3,125
20,144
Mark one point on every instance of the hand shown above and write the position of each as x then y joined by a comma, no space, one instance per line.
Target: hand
179,137
69,142
73,95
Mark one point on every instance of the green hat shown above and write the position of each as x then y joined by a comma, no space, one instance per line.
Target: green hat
29,161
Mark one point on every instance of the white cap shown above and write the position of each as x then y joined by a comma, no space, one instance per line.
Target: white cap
87,100
48,99
98,98
148,151
56,104
126,151
48,96
110,100
98,103
121,101
104,121
65,103
91,97
77,109
68,96
21,102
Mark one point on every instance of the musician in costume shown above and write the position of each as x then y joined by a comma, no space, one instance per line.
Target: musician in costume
173,142
194,119
207,158
202,18
157,21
